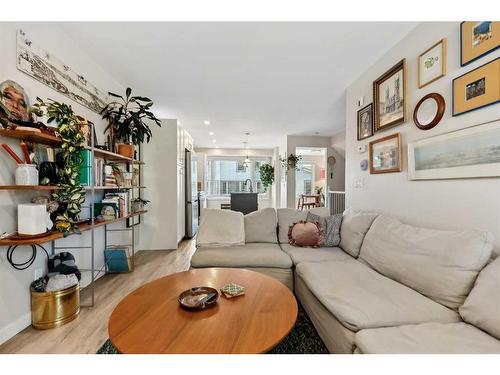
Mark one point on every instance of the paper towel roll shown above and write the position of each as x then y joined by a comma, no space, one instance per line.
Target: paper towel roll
31,218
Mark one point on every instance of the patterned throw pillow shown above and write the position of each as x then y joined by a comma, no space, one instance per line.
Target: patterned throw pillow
304,234
330,226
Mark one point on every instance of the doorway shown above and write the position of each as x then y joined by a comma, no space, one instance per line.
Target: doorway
311,177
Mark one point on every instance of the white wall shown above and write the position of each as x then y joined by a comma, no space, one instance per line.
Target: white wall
14,285
459,203
337,183
159,226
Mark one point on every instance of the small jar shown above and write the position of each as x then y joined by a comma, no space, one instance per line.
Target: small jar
26,174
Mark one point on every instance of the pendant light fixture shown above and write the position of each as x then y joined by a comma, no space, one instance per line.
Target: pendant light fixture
247,161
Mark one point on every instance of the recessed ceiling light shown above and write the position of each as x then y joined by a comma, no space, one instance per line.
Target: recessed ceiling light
206,122
211,133
214,140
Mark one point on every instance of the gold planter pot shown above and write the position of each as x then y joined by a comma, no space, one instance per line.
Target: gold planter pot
54,309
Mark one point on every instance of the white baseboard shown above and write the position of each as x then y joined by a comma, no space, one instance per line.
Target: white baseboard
15,327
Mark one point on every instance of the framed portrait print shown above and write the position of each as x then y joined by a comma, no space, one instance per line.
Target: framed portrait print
477,89
466,153
365,122
432,64
389,97
385,154
478,38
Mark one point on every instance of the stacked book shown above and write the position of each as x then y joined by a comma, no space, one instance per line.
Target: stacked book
85,174
99,172
122,201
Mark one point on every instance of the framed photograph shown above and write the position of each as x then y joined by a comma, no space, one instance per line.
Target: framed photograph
429,111
365,122
477,89
389,97
432,64
466,153
385,154
478,38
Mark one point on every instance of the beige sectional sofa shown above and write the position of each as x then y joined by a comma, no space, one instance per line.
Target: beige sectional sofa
388,288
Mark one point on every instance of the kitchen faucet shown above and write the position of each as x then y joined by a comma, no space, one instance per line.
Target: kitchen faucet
245,185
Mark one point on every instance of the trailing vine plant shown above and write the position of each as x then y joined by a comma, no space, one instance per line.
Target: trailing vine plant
71,194
266,175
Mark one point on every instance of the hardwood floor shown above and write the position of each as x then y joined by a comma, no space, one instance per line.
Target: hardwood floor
89,331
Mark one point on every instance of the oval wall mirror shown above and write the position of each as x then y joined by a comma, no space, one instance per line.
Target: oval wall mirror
429,111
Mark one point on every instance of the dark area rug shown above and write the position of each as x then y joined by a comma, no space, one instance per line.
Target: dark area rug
303,339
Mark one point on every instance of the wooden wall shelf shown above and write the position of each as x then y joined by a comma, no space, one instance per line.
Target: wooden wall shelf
50,140
57,235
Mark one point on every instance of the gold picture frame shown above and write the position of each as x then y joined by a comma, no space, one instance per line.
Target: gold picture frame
477,88
386,155
432,64
392,110
477,39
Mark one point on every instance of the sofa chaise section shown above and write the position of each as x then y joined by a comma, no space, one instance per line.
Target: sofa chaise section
428,338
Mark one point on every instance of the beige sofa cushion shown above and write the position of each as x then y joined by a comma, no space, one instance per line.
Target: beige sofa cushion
360,297
482,306
261,226
289,216
354,226
439,264
221,228
438,338
249,255
308,254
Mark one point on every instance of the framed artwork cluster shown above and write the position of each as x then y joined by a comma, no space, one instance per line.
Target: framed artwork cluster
465,153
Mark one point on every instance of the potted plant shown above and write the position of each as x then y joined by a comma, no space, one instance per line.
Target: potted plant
128,119
138,204
266,175
71,194
291,162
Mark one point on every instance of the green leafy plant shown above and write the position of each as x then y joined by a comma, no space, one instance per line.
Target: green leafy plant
71,194
291,162
266,175
128,117
4,113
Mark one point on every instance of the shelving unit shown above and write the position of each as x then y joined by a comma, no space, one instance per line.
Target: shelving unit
91,224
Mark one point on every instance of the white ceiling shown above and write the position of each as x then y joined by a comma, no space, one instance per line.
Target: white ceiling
270,79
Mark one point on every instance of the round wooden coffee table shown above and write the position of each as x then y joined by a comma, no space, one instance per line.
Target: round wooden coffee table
150,320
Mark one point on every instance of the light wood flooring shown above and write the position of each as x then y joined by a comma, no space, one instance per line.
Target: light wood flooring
89,331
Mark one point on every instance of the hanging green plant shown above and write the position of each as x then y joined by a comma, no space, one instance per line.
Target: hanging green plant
71,194
266,175
4,113
291,162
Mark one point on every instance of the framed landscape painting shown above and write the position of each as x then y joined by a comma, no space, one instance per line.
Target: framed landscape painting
389,97
385,154
478,38
365,122
466,153
432,64
476,89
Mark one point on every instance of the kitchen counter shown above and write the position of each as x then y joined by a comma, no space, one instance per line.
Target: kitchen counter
244,202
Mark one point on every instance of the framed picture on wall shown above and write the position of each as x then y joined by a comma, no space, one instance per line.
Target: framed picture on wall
385,154
365,122
478,38
389,97
477,89
432,64
466,153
